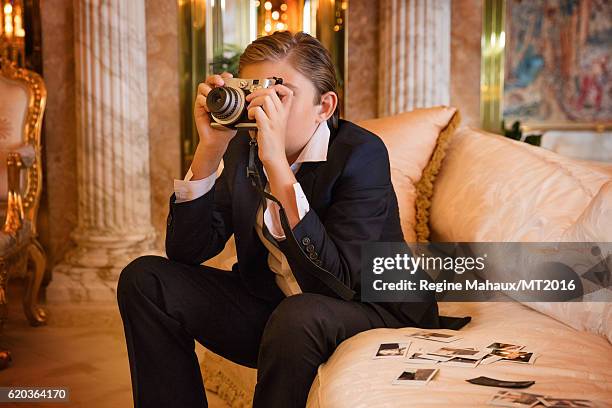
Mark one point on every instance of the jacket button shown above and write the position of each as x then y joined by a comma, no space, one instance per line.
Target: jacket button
310,248
313,255
305,241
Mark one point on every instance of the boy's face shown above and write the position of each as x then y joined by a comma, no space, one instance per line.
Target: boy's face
304,115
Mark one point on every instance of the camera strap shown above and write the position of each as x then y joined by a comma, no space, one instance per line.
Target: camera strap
252,172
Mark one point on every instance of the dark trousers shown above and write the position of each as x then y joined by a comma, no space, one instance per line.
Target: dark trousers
166,305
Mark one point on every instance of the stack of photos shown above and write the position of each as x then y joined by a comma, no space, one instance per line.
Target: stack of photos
466,357
470,357
450,356
525,400
407,376
508,352
419,376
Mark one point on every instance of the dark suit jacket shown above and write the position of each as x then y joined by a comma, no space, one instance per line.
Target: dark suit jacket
351,201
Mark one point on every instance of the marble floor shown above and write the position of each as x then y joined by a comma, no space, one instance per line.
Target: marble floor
81,349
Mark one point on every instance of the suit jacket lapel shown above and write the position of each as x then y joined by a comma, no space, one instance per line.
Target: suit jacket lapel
306,175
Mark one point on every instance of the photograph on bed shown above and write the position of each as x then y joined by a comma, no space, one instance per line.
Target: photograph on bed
306,203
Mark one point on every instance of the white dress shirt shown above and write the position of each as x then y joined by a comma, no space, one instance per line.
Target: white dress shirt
315,150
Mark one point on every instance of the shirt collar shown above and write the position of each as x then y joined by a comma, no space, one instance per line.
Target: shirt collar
316,148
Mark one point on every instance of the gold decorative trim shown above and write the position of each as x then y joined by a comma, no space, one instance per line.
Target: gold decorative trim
598,127
14,206
493,46
216,381
425,186
33,126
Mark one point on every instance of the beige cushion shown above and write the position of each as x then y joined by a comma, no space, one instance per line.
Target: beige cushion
416,142
13,114
491,189
13,111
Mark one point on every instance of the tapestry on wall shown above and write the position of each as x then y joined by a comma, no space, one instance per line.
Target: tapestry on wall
558,61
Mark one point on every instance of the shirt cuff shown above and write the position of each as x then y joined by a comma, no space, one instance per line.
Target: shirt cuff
186,190
272,216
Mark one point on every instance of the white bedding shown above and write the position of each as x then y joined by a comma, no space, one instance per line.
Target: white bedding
572,364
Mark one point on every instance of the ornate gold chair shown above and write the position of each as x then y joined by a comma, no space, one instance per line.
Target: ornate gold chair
22,104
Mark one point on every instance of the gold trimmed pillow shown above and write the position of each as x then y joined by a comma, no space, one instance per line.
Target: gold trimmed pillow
417,143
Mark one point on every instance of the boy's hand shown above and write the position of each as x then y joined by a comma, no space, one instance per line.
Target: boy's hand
213,142
208,135
270,109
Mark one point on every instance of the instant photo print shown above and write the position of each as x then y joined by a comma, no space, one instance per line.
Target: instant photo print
417,377
392,350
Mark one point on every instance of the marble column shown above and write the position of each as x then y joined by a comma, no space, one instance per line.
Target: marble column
414,55
114,194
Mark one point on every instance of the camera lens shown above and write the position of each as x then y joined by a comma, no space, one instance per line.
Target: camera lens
226,104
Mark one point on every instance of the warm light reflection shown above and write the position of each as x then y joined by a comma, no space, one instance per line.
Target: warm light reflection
12,31
8,20
19,31
275,17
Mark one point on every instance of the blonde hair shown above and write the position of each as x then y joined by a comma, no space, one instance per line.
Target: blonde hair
305,53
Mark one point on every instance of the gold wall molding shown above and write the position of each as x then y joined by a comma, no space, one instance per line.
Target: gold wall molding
493,43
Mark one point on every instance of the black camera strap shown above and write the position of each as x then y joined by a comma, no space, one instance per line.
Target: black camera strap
322,274
253,174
